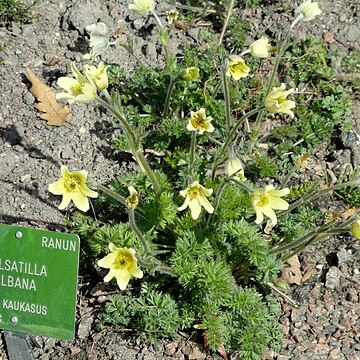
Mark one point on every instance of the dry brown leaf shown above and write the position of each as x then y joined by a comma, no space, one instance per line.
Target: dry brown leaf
291,272
54,113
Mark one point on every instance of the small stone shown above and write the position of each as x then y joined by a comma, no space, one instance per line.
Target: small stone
319,266
85,326
352,295
28,98
171,348
82,130
333,278
138,23
25,179
352,33
333,354
149,357
66,153
343,256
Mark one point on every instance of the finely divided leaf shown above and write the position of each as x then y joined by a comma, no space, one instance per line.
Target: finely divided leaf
54,113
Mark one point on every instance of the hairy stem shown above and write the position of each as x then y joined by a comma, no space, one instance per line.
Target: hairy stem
133,142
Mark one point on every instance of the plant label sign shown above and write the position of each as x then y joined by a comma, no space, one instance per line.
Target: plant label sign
38,281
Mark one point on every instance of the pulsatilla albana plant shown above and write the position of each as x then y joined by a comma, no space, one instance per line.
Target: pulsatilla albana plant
192,248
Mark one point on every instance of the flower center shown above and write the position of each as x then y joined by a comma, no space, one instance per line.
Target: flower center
77,89
194,192
263,201
72,182
123,261
198,121
132,201
238,67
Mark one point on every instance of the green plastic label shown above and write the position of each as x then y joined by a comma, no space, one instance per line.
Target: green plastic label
38,281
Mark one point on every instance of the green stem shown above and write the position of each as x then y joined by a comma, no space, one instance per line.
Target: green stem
242,185
288,177
139,211
156,267
299,244
136,230
192,152
217,198
225,84
229,138
315,194
168,95
135,149
226,23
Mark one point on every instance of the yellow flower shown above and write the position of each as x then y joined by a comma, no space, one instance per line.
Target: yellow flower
237,68
132,200
261,48
72,186
122,264
265,200
302,160
172,15
308,10
234,167
200,122
191,74
355,229
78,89
142,7
276,101
195,197
98,75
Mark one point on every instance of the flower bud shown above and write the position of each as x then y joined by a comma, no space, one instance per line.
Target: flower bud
308,10
355,229
261,48
191,74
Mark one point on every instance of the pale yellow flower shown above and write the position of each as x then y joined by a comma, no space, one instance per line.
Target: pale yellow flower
72,186
78,89
276,101
122,264
132,200
191,74
200,122
142,7
265,201
261,48
234,167
196,197
172,15
237,68
98,75
355,229
308,10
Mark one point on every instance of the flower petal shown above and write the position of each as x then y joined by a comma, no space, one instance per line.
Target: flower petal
110,275
122,278
57,187
269,212
80,201
107,261
195,208
65,201
206,204
136,272
185,204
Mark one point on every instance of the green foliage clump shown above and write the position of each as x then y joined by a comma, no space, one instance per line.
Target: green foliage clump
16,10
212,270
154,314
